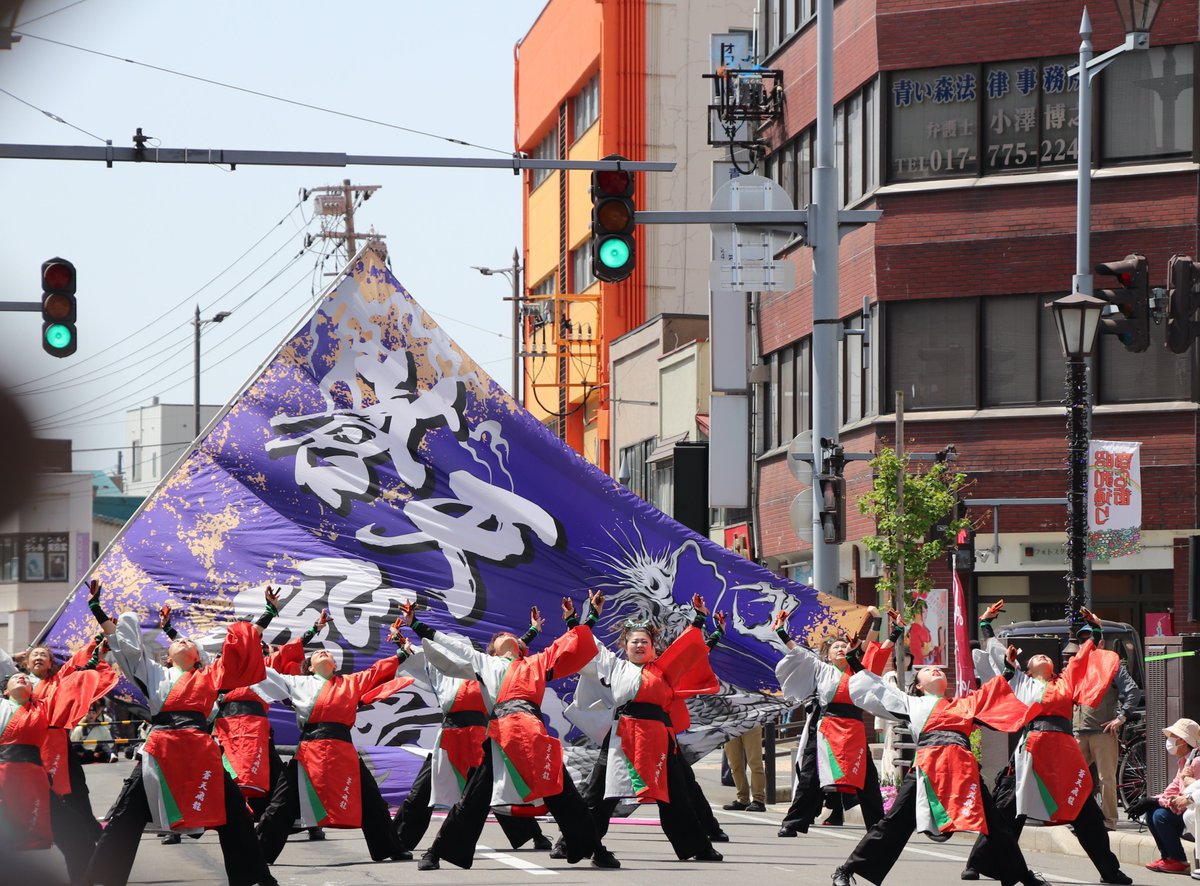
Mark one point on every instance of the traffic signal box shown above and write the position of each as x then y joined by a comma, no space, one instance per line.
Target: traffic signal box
613,252
1132,299
59,337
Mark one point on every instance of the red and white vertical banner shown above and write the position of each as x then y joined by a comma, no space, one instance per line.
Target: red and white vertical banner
964,665
1114,499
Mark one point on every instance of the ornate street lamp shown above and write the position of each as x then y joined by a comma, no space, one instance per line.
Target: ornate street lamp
1138,15
1077,317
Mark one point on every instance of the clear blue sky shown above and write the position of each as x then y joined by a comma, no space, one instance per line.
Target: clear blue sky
145,238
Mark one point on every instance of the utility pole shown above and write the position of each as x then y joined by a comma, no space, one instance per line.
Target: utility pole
517,393
823,235
196,324
338,201
898,592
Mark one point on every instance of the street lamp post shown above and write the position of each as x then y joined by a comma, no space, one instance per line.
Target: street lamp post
197,323
514,276
1077,317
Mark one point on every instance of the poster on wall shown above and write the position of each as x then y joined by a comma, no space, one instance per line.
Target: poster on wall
927,628
1114,499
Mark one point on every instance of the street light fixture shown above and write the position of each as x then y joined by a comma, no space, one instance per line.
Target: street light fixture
1077,317
197,323
514,276
1138,15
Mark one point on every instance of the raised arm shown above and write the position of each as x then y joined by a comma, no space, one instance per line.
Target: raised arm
452,655
107,625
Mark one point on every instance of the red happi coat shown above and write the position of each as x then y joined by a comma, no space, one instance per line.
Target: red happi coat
24,787
533,760
330,767
68,693
245,738
682,671
948,775
464,744
846,736
1054,780
187,762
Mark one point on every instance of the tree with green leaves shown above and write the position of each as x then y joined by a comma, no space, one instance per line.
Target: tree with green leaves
909,536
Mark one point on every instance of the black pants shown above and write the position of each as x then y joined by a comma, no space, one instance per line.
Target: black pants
80,799
118,845
878,851
258,803
700,805
280,816
810,796
460,832
1088,826
689,836
72,835
412,818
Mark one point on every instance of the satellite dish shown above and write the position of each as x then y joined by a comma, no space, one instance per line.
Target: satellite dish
801,513
802,470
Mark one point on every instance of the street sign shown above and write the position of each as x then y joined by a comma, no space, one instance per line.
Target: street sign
801,513
745,256
799,458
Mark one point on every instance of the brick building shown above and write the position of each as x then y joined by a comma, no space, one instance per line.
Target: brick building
957,120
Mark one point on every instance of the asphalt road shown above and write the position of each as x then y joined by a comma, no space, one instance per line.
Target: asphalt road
754,855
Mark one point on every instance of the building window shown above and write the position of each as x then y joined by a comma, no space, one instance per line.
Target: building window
804,165
1148,105
585,108
854,379
931,353
1154,374
547,149
933,118
136,461
35,557
789,394
545,287
782,18
663,476
581,267
633,471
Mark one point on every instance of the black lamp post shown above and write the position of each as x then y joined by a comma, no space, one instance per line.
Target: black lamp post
1077,317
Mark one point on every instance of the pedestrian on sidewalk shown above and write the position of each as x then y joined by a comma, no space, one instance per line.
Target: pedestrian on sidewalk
744,752
1182,739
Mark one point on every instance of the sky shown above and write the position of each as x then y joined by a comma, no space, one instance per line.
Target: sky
150,242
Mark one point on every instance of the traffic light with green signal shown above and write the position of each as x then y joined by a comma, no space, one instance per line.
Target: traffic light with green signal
613,251
1132,299
59,338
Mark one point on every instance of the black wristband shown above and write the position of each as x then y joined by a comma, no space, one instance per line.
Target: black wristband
877,623
896,634
529,636
265,619
714,638
171,633
572,621
593,617
783,634
98,612
698,619
307,636
401,655
422,630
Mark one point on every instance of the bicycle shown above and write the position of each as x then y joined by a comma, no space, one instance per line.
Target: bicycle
1131,766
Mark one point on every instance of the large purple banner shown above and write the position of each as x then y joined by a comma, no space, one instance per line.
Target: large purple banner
372,461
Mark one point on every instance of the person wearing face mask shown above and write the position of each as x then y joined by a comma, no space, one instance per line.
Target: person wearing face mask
179,782
942,793
637,698
1181,739
524,763
326,784
837,759
1048,778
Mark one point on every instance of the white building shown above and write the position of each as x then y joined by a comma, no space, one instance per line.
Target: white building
45,548
158,435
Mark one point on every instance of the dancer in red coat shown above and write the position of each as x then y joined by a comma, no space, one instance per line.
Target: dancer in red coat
179,782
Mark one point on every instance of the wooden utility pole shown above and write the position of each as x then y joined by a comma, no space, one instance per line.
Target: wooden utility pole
338,200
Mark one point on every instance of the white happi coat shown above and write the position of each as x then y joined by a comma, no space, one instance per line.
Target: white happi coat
802,673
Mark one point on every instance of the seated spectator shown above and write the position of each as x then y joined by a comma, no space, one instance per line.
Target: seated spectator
94,736
1166,822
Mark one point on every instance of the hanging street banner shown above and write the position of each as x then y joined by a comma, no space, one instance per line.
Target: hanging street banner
1114,499
371,461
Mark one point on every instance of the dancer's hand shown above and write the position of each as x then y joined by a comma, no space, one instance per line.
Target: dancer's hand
699,605
993,610
719,618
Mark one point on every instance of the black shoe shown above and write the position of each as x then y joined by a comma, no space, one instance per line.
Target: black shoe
1033,878
269,881
755,806
316,834
542,843
969,873
719,837
560,849
1118,878
603,858
399,854
790,830
842,877
171,839
834,820
736,806
428,862
709,854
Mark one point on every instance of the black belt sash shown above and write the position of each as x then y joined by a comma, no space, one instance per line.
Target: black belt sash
641,710
179,720
241,709
515,706
1050,724
463,719
21,753
839,709
940,738
325,732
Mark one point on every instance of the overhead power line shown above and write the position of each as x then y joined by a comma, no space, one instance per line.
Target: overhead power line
266,95
52,116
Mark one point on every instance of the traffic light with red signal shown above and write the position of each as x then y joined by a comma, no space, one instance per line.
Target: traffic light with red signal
832,504
1183,303
59,337
1132,299
614,254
